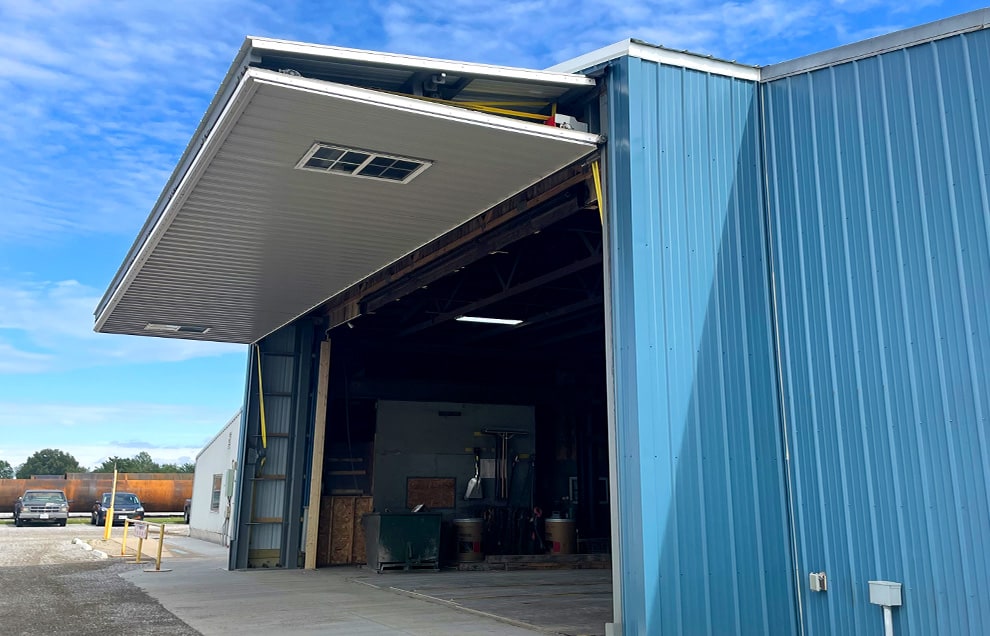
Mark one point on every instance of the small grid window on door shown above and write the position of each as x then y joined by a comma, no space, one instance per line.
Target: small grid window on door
365,164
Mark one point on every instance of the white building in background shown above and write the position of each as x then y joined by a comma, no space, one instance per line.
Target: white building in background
213,485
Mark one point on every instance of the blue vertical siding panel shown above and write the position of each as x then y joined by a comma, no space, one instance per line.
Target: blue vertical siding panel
881,235
667,297
704,545
638,551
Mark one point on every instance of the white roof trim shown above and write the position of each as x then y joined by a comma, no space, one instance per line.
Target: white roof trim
661,55
411,104
236,419
972,21
415,62
224,123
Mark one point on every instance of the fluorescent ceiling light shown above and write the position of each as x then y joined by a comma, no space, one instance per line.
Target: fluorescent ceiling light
490,321
156,326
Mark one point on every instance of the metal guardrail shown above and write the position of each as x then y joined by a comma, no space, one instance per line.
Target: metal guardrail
141,532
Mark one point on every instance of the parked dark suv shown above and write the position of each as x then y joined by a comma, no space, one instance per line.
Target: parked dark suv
126,505
41,506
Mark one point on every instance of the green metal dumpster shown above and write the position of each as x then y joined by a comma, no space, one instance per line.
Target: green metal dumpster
403,540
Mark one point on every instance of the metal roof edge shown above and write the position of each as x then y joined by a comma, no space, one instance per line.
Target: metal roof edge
236,418
235,97
947,27
220,123
389,100
418,62
251,46
655,53
446,110
593,58
220,99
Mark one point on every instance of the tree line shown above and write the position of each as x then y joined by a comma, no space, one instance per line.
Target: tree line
52,461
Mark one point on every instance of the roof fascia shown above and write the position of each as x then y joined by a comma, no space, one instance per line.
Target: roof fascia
661,55
234,420
194,161
489,71
228,86
967,22
248,53
237,99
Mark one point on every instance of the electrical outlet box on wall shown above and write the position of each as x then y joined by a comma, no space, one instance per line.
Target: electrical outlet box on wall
818,582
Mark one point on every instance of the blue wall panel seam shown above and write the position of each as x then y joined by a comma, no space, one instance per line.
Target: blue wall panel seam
836,426
981,171
970,584
780,346
881,335
926,241
733,559
909,331
816,425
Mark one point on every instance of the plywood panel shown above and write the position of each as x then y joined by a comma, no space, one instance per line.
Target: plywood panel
323,535
362,506
432,492
342,530
341,539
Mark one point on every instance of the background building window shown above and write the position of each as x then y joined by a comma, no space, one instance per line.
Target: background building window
215,500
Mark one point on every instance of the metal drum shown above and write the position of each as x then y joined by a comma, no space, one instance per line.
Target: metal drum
468,533
561,535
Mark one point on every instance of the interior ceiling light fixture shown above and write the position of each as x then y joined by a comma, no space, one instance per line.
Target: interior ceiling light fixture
490,321
157,326
366,164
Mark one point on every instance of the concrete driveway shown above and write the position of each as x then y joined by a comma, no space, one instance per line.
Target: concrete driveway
83,593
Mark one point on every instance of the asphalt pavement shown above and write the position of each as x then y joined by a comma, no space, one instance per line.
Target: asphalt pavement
48,585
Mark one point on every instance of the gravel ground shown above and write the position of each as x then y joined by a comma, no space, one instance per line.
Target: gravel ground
48,585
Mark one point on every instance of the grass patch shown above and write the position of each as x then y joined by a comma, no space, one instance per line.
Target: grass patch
85,521
169,520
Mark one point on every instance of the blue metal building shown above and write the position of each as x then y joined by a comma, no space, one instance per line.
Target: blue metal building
793,267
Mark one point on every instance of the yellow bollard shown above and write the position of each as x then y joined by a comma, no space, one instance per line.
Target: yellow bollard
140,531
123,542
161,542
113,498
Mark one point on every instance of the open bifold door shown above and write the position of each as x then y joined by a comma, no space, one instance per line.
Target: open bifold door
303,187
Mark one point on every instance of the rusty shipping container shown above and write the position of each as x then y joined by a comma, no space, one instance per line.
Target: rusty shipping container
159,492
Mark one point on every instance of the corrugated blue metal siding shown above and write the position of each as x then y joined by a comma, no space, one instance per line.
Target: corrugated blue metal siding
878,181
704,544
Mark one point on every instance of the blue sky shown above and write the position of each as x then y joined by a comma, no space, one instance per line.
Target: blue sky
99,98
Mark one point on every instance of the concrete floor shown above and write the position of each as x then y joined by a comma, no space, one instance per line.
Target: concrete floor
355,602
572,602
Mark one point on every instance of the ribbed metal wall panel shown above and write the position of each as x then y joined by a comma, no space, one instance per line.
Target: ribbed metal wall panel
878,191
269,504
704,545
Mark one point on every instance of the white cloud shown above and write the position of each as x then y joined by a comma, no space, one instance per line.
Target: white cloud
13,360
52,322
529,33
93,432
90,455
101,96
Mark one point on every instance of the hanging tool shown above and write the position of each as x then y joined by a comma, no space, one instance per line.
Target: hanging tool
501,457
473,490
